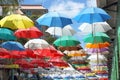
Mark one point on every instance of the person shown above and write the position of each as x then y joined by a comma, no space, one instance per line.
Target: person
15,78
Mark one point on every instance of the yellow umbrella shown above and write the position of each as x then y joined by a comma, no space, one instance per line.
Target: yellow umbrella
16,21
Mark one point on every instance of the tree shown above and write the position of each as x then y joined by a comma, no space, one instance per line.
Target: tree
9,5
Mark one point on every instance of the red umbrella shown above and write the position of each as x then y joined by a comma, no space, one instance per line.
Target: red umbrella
4,52
23,63
40,62
17,54
58,62
32,32
49,52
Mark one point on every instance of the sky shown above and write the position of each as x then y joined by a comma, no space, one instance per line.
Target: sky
67,7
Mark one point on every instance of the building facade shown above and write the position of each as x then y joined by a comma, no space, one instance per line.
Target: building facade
111,7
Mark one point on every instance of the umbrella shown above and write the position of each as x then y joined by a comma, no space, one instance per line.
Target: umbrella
98,37
97,59
66,41
97,50
91,15
58,62
16,21
54,19
32,32
95,27
58,31
36,44
24,63
13,45
48,52
6,34
40,62
97,45
3,52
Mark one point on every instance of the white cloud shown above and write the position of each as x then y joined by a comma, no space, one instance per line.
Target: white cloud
69,8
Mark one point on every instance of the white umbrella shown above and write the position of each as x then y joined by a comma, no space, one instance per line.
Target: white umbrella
94,57
36,44
97,59
58,31
95,27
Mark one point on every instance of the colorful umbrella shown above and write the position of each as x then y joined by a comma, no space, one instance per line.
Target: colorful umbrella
48,52
13,45
66,41
32,32
58,31
4,52
95,27
16,21
58,62
36,44
97,45
96,59
6,34
54,19
91,15
40,62
98,37
24,63
97,50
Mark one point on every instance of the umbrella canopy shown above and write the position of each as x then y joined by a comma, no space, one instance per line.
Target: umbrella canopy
54,19
16,21
7,34
12,45
3,52
91,15
98,37
97,50
66,41
24,63
58,62
58,31
36,44
95,27
97,45
40,62
49,52
32,32
96,57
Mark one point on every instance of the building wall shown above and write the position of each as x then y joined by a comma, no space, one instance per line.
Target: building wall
111,8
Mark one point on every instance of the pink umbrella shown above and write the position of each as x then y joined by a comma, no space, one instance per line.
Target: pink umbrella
32,32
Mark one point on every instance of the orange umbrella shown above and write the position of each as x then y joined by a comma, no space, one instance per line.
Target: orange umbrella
76,53
97,45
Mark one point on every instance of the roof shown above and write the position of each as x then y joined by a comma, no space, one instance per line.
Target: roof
32,7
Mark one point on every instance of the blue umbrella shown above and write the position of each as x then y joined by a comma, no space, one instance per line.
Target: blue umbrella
12,45
91,15
6,34
54,19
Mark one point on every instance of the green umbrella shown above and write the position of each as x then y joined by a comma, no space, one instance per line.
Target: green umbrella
66,41
98,37
6,34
